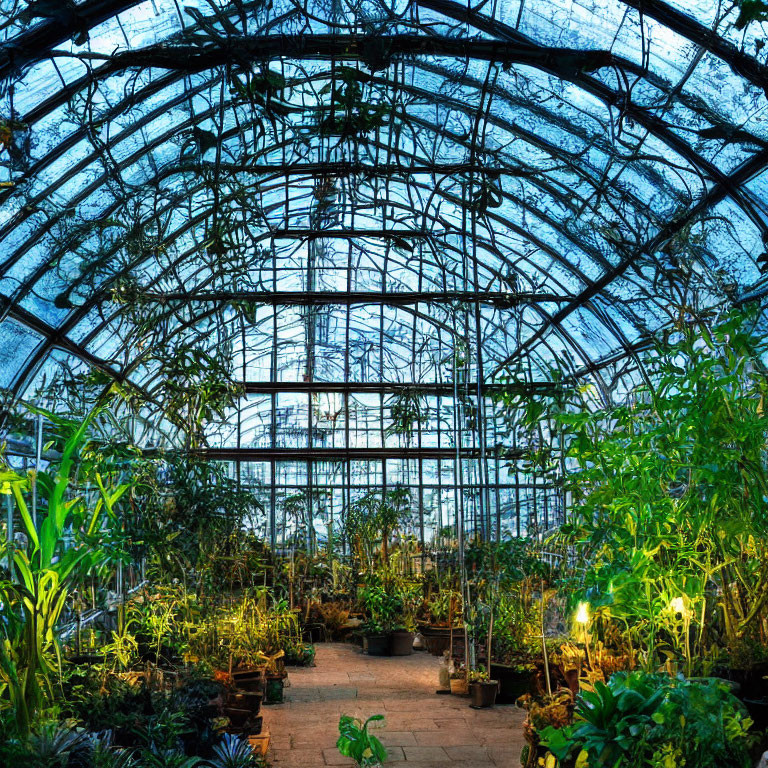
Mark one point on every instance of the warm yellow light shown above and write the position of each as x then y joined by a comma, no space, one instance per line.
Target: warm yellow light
677,605
582,613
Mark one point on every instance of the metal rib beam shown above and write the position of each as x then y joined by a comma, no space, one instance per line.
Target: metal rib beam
335,454
427,388
500,299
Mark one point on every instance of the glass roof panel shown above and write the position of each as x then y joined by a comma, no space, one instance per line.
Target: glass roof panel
415,148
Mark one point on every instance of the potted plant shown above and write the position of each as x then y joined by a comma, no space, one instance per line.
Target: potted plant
459,683
275,679
381,606
515,678
445,611
375,639
512,654
482,689
547,711
299,654
409,597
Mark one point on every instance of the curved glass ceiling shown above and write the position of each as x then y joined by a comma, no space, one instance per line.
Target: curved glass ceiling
358,192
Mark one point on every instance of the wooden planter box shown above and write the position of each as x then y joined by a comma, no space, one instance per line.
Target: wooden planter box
259,743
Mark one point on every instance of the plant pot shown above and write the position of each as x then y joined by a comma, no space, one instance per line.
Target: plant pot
245,700
237,717
273,691
401,643
314,633
483,693
459,686
252,727
758,711
751,681
512,683
572,680
214,707
438,640
259,744
246,674
249,681
376,645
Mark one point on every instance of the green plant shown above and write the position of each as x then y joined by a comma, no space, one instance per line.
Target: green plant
381,604
669,486
409,597
479,675
349,113
642,719
33,599
374,518
233,752
189,515
445,608
50,745
168,758
104,755
162,732
406,410
514,627
301,654
195,388
122,651
356,742
548,710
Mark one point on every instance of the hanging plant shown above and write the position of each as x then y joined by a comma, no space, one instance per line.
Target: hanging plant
407,409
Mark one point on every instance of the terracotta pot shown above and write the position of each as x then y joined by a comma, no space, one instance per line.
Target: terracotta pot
459,686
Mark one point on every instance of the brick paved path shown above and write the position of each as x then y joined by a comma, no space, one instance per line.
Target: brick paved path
422,729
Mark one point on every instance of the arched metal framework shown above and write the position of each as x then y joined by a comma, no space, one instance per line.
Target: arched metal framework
353,202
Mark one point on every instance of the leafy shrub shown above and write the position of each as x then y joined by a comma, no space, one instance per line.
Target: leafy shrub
356,742
653,720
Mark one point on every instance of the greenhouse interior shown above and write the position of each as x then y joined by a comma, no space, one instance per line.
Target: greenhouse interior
383,382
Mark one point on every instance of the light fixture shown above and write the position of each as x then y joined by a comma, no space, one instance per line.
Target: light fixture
678,605
582,613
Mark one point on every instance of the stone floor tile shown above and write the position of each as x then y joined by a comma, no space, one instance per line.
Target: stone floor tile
447,738
499,736
395,755
332,757
426,754
470,754
505,757
397,738
421,729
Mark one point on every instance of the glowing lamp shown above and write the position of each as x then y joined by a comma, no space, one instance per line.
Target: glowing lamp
677,605
582,613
